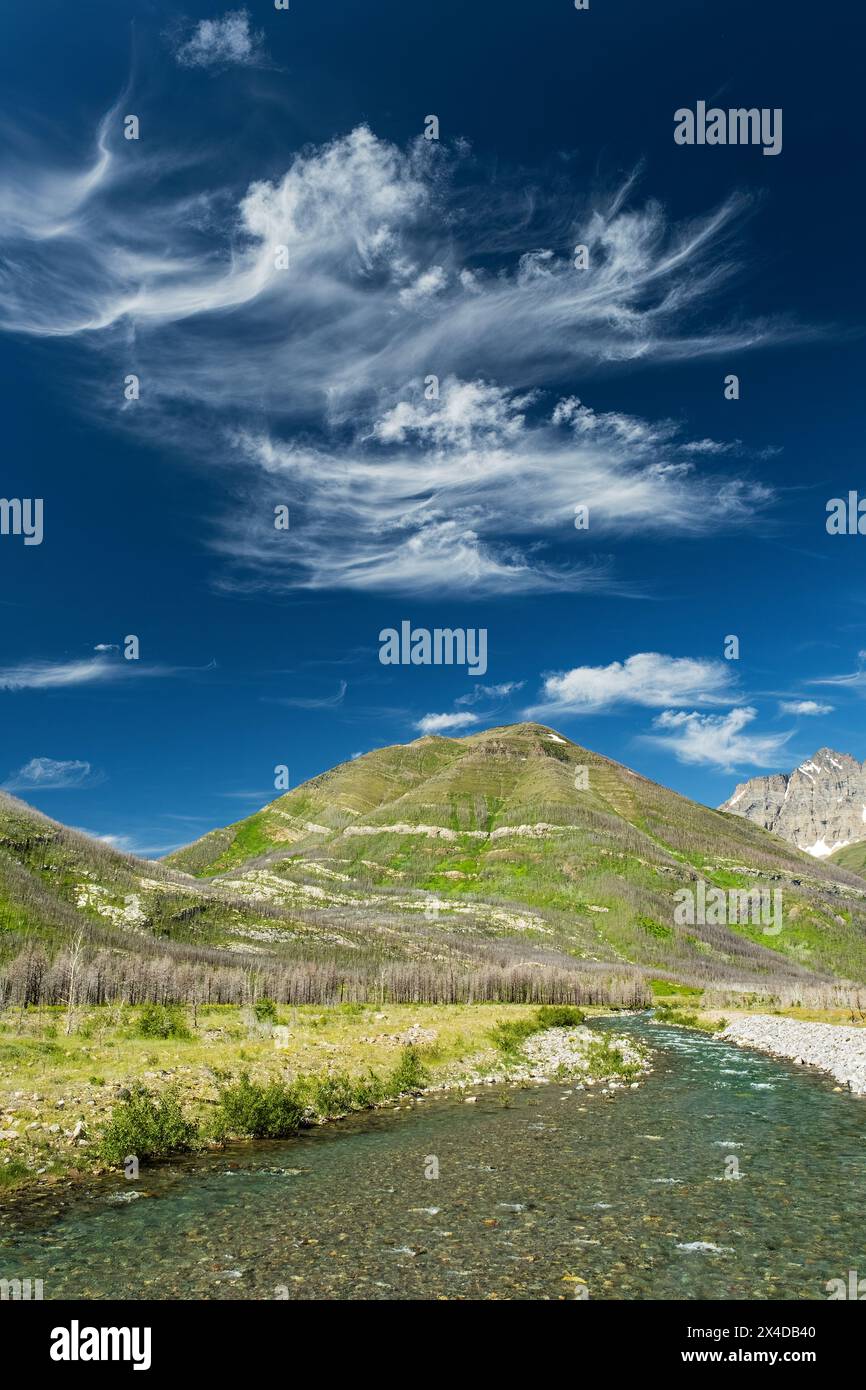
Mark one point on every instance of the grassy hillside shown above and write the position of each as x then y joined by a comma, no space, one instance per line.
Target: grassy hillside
851,857
519,835
511,864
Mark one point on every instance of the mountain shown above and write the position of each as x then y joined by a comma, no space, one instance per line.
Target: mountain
512,850
519,838
820,807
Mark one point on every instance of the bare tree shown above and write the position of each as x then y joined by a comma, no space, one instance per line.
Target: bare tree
74,960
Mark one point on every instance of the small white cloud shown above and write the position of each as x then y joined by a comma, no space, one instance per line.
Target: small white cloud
717,740
437,723
647,678
804,707
489,692
50,774
106,647
225,42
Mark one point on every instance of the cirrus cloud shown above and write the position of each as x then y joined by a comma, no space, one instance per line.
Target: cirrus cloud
348,279
52,774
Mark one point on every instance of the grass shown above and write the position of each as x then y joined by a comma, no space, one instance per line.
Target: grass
509,1035
665,1013
605,1059
339,1059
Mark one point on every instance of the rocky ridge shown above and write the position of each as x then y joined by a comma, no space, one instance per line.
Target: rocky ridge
820,807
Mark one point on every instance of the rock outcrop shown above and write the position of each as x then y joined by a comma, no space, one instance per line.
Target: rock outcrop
819,807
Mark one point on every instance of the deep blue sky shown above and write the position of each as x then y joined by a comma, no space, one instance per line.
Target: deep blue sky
146,515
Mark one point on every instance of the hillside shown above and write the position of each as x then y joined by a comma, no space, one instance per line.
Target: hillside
509,855
851,857
500,837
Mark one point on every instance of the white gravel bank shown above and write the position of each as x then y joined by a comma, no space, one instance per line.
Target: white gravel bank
837,1050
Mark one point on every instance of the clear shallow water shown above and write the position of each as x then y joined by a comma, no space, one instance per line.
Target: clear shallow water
624,1194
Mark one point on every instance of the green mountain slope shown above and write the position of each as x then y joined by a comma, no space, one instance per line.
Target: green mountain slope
851,857
519,837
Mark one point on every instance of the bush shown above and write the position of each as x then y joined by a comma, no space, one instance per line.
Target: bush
560,1016
248,1109
654,928
162,1021
604,1059
147,1126
265,1011
509,1036
334,1095
410,1075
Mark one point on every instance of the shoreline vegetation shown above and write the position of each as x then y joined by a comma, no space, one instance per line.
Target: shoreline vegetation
147,1082
82,1090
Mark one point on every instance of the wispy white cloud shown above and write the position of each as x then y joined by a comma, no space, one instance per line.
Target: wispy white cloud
48,675
52,774
261,796
313,701
55,675
219,43
717,740
489,692
130,844
804,707
440,723
647,678
394,273
849,680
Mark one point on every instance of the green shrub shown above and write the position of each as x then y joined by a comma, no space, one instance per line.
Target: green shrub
604,1058
510,1035
410,1075
265,1011
560,1016
333,1095
654,928
369,1090
147,1126
247,1109
162,1021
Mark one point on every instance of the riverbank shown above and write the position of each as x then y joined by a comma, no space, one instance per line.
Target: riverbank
58,1093
838,1050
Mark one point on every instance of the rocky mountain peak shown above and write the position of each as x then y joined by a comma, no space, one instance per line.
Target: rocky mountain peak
819,807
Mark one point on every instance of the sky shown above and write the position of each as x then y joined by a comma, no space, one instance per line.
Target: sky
271,297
